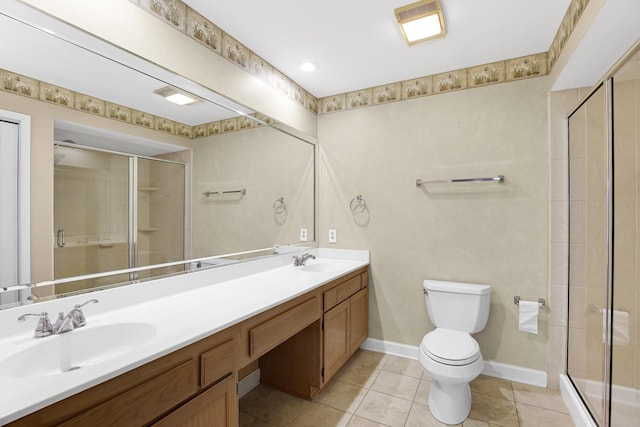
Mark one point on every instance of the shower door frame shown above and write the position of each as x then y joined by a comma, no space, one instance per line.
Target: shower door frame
133,200
607,86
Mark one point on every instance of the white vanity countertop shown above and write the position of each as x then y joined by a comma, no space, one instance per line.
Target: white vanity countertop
183,309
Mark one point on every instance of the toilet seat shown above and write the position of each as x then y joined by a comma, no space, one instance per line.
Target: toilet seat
451,347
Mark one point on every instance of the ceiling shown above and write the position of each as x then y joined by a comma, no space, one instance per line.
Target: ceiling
64,56
358,44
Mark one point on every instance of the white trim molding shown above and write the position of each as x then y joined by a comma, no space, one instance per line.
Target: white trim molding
24,192
491,368
577,410
248,383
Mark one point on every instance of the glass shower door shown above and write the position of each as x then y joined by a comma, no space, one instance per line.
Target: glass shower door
160,214
623,326
589,263
115,211
91,216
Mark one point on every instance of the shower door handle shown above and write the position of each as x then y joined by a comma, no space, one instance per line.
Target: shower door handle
61,238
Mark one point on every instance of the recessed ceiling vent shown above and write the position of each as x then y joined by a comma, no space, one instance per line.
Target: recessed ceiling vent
421,21
418,11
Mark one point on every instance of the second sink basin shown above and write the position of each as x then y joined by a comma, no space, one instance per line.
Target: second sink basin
321,266
80,348
318,268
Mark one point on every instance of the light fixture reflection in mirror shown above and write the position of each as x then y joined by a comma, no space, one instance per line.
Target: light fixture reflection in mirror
220,149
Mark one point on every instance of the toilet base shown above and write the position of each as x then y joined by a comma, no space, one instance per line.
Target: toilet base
450,403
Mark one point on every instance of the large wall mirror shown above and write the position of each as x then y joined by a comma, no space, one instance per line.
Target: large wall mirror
121,178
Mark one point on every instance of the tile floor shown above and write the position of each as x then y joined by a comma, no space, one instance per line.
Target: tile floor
374,389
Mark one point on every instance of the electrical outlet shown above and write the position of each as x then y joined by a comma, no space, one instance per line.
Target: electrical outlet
303,234
332,236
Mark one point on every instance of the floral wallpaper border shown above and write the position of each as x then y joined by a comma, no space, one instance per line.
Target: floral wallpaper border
22,85
466,78
179,15
568,24
191,23
188,21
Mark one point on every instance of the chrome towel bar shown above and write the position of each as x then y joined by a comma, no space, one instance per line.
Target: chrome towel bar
499,179
220,193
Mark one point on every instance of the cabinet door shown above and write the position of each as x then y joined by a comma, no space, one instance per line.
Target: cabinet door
145,402
336,339
359,319
216,407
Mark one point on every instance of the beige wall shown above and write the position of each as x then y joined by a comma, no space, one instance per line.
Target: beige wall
267,163
483,233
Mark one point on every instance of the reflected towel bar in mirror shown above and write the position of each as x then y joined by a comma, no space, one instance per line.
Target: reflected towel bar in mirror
242,191
499,179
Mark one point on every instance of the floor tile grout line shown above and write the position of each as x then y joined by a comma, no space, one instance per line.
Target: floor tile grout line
541,407
360,404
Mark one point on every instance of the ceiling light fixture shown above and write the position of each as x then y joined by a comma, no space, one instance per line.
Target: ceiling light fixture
420,21
177,96
308,66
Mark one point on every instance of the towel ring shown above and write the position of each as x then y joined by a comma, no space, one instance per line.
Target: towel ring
279,206
358,205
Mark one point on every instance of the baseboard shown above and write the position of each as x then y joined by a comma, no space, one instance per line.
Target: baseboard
389,347
515,373
578,412
248,383
491,368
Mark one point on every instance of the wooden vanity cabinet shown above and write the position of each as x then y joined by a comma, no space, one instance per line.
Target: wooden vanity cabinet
300,345
346,306
306,361
215,407
195,384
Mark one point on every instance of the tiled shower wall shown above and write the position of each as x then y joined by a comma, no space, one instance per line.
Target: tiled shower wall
626,367
626,275
560,105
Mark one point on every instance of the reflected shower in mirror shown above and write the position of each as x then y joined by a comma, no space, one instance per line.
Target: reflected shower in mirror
141,181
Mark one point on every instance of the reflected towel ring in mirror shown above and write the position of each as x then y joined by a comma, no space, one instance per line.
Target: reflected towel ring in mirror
279,206
358,205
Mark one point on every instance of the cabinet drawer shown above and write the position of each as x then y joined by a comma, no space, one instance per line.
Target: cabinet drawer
216,407
335,296
217,363
277,330
145,402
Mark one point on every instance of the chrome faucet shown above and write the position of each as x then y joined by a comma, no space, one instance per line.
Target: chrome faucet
299,261
74,319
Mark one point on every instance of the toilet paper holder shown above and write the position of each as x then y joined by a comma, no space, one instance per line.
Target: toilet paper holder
541,301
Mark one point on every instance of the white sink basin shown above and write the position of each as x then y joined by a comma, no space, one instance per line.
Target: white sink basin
321,267
71,351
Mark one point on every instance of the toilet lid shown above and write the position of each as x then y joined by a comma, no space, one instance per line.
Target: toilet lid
451,347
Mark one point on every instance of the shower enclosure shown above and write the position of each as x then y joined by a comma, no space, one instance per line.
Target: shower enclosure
114,211
603,350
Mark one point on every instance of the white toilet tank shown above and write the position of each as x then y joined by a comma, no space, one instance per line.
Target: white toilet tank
459,306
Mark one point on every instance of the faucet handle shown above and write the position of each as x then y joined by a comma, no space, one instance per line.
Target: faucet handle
43,328
77,315
85,303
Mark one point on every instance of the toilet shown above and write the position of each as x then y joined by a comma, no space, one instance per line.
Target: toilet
449,354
